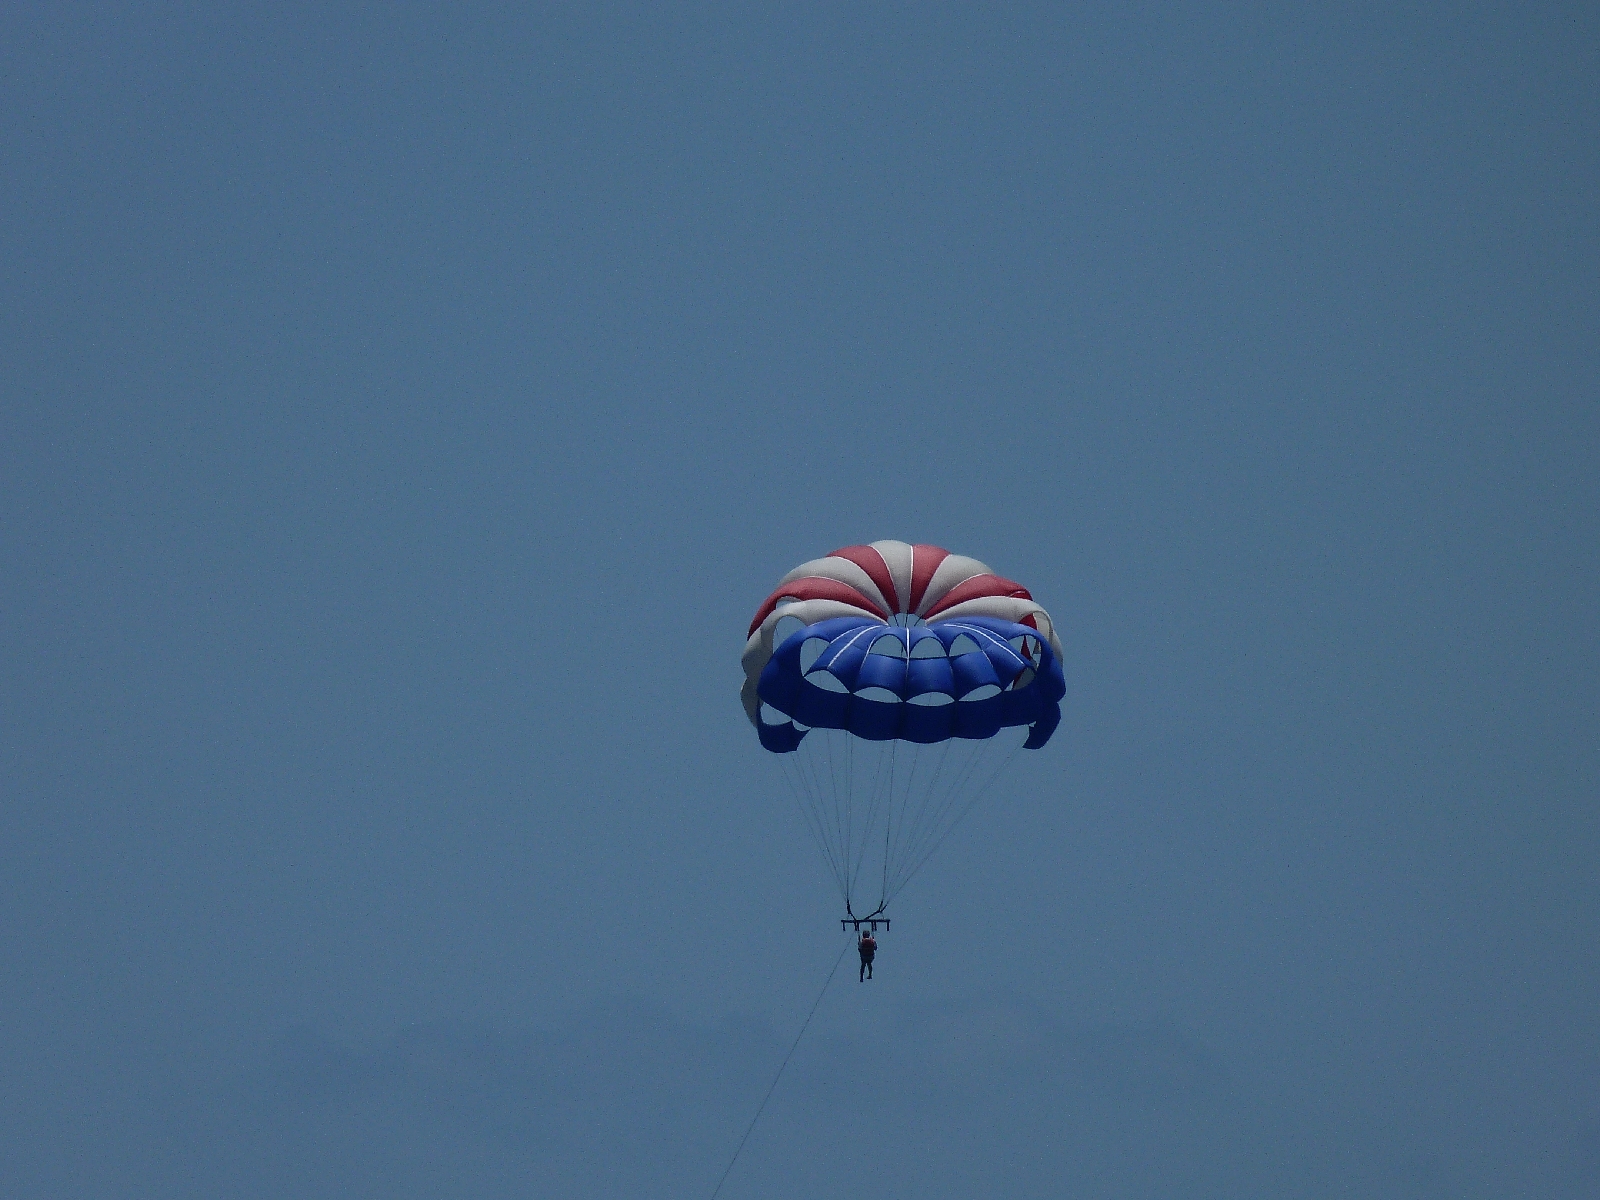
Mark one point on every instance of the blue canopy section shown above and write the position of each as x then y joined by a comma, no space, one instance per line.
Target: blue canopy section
964,678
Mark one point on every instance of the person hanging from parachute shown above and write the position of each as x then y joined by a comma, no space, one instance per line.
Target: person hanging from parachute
867,947
890,681
875,648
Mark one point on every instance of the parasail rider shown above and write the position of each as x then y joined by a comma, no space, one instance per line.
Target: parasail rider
867,945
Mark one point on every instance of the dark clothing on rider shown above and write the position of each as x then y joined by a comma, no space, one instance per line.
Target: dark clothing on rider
868,946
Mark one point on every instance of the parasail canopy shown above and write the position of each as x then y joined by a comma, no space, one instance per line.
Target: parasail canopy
895,643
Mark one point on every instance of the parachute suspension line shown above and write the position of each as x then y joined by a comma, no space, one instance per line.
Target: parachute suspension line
981,754
905,830
893,855
933,847
911,791
960,817
870,802
872,813
888,825
827,797
893,800
888,844
840,792
807,800
928,828
919,806
805,795
912,825
838,812
876,802
882,787
812,767
810,812
933,805
849,807
889,796
811,760
841,806
804,1026
911,782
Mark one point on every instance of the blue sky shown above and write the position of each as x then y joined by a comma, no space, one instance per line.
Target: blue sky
405,408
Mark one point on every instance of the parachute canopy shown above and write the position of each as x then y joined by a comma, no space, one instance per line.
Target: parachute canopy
891,641
856,654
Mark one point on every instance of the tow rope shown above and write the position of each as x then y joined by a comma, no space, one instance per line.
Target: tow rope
815,1005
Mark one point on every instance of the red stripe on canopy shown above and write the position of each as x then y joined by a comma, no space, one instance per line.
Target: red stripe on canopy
925,561
813,588
977,586
870,561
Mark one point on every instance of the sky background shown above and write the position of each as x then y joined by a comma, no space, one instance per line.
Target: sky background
403,409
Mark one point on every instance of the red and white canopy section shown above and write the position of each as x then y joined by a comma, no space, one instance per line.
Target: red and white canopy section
893,582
